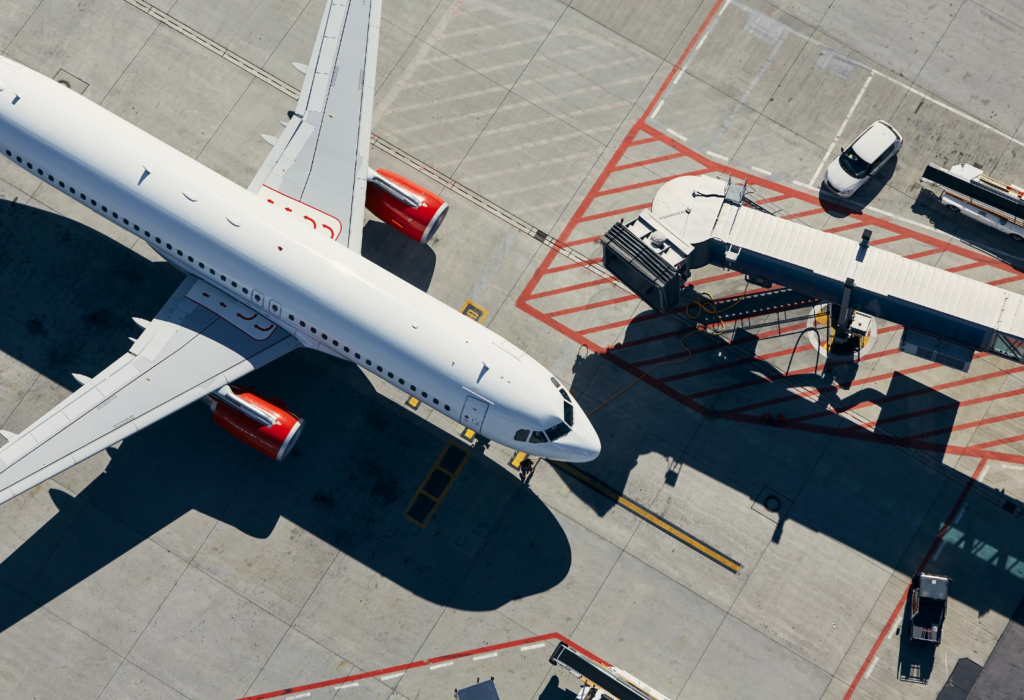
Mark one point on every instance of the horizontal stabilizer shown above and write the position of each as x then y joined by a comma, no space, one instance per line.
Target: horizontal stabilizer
272,140
301,67
81,379
141,322
8,435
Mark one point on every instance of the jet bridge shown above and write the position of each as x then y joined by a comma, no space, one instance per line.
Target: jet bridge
699,220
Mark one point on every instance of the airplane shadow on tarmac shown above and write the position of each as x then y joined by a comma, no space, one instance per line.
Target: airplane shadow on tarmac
347,483
829,473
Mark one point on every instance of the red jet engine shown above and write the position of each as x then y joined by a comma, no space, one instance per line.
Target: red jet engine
404,205
264,425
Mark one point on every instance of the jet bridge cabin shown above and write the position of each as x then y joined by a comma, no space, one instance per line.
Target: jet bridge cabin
700,220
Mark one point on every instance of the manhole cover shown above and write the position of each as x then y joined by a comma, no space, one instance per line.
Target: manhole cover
772,504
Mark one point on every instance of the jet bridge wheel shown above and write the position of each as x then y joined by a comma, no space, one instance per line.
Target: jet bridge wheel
820,335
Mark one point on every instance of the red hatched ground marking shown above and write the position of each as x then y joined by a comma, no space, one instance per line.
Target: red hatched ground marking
562,296
554,636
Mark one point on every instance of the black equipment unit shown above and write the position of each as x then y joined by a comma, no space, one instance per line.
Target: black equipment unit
480,691
977,191
580,666
641,269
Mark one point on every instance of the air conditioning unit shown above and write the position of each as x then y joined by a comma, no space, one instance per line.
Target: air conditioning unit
933,349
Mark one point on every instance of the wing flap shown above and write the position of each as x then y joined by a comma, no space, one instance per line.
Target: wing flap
321,159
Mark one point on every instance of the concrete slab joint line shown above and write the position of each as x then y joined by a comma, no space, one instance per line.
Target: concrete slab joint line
642,133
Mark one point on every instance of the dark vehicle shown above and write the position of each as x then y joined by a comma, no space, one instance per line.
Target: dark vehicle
480,691
928,598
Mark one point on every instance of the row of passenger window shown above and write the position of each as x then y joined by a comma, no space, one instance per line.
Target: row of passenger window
256,296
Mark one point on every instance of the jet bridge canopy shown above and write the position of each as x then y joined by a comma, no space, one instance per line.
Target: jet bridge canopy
703,213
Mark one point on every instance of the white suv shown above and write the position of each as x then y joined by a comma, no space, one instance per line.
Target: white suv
865,157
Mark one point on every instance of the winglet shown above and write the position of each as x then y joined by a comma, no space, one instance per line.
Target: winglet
81,378
141,322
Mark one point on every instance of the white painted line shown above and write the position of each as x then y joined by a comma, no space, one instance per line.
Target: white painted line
891,79
883,212
981,477
1013,467
954,110
347,685
842,127
677,135
656,110
532,646
716,155
293,697
485,656
393,675
723,7
871,668
805,185
444,665
760,170
956,521
892,631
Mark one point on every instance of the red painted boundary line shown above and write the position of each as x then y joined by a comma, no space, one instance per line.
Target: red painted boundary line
425,662
641,132
924,562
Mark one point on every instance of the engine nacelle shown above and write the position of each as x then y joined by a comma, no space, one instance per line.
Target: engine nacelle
404,205
275,440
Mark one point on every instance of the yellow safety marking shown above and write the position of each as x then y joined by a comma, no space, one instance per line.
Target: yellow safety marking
423,498
468,434
517,459
413,403
474,311
650,517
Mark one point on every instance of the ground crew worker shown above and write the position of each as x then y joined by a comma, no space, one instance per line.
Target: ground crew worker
526,471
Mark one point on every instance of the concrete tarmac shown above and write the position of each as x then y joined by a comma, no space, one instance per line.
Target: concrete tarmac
180,564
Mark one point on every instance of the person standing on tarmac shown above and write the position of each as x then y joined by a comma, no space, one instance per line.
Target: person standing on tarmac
526,471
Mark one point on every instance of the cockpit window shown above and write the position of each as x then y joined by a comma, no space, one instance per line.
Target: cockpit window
557,431
521,435
538,437
568,414
555,382
565,396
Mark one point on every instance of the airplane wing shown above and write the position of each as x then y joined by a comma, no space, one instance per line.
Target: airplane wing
201,340
319,163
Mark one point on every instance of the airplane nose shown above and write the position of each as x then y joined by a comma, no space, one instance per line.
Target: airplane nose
586,445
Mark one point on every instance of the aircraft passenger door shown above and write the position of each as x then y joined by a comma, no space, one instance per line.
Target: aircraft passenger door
473,413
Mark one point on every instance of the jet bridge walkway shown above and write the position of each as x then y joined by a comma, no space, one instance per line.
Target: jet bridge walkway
700,220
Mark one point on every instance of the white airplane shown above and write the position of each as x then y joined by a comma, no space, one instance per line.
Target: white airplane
267,270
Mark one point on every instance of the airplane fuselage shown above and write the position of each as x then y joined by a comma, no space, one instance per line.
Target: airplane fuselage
331,298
